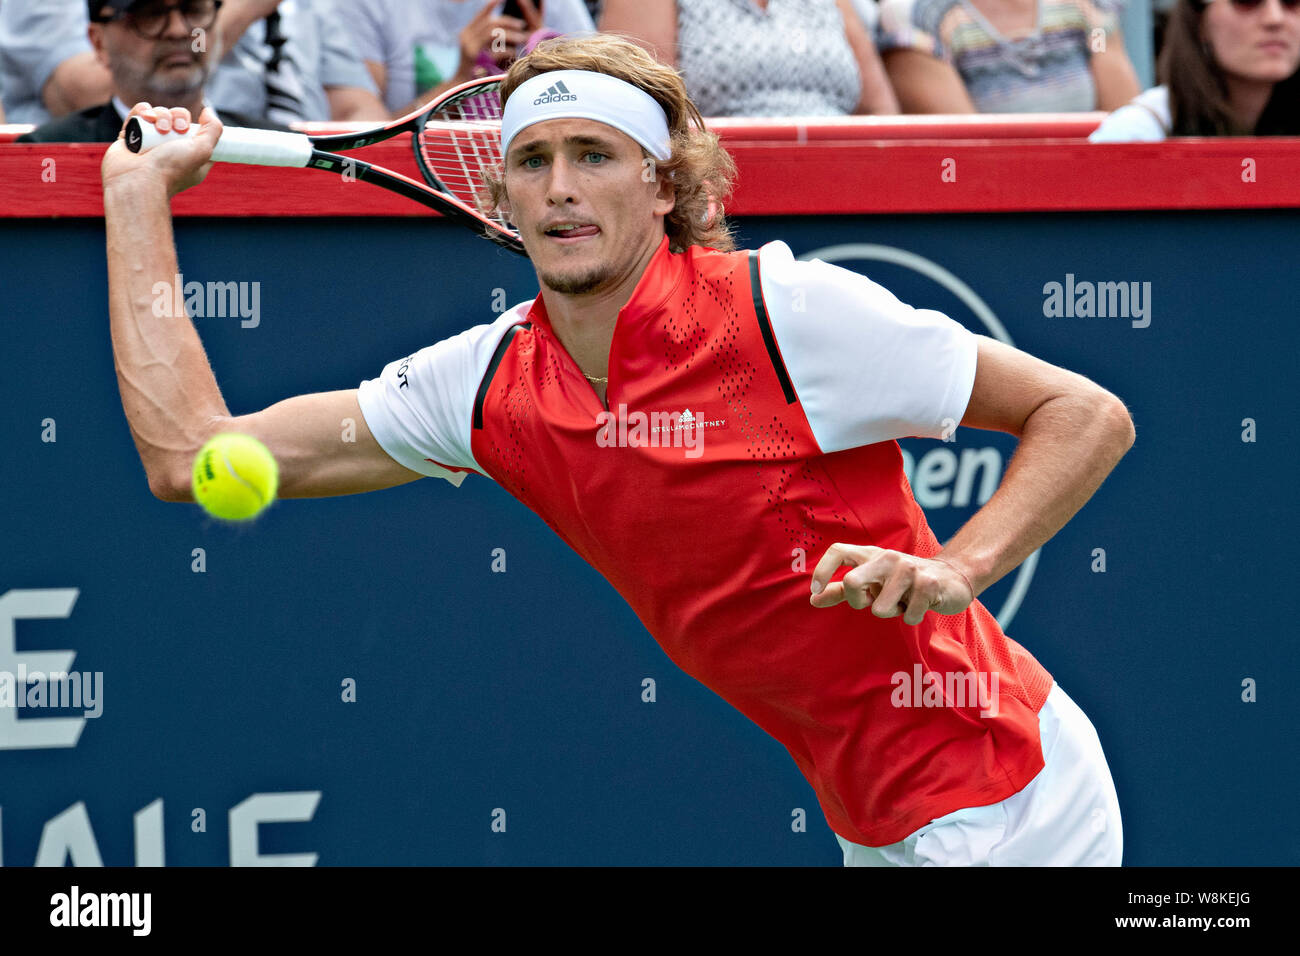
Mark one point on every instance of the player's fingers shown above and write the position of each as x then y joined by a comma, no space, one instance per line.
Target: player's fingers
835,556
892,591
209,126
830,596
162,118
142,110
856,597
862,584
916,603
925,595
180,119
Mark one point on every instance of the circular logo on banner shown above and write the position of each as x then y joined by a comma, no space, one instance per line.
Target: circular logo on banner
949,487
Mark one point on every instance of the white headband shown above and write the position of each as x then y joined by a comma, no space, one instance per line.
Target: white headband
580,94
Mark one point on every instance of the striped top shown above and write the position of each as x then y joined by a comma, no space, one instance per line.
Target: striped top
1045,69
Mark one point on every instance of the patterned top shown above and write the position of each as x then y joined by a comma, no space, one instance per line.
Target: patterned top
1046,69
791,59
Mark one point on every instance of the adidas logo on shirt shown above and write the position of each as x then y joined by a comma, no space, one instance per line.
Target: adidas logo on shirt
557,93
687,420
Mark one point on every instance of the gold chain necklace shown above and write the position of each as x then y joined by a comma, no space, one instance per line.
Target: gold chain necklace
594,380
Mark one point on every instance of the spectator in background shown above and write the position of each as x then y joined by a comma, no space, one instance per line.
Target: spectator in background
47,68
1013,56
317,74
415,49
1229,68
762,57
290,61
147,50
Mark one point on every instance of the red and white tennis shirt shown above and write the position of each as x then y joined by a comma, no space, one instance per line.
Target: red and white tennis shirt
791,380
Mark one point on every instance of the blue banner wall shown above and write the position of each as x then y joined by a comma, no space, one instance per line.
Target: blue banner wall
516,698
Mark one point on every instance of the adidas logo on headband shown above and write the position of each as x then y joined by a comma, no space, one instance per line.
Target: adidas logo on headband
600,98
557,93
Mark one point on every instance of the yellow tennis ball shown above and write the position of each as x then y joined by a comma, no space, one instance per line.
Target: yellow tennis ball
235,476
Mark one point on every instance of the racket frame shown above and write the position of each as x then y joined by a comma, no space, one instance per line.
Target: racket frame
325,155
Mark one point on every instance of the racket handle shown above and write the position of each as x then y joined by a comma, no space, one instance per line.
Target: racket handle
252,147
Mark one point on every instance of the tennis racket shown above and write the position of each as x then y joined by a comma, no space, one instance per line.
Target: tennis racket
456,137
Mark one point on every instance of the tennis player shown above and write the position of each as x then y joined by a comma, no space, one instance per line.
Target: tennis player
695,420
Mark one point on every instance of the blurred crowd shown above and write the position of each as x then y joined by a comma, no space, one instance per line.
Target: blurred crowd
72,68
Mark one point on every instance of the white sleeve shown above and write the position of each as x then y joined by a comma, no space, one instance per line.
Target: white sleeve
420,409
1145,119
865,367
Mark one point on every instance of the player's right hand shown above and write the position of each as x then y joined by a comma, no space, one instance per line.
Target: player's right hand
178,164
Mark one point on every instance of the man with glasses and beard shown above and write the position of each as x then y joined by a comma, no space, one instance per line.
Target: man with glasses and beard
157,51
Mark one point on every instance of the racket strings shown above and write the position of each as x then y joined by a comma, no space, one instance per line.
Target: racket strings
462,144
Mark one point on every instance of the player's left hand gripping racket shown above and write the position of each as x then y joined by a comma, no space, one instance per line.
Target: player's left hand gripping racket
456,137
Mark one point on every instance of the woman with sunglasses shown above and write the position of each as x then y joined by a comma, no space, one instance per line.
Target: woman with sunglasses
1229,68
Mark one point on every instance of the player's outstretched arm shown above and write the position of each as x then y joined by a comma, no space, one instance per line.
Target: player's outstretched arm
321,443
169,394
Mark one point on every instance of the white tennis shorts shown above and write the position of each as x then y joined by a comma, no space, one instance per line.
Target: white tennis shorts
1068,815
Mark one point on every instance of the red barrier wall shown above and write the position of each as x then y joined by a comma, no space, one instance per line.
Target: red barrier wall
849,165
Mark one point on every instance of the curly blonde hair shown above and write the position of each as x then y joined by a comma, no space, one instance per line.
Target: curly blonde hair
702,172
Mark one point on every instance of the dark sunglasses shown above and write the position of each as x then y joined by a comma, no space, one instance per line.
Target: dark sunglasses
150,18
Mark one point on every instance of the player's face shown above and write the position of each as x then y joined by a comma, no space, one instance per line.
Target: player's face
1260,44
155,70
588,205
